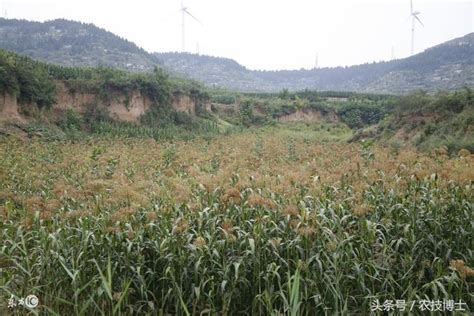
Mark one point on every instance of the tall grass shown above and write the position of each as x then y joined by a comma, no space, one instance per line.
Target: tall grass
171,132
133,227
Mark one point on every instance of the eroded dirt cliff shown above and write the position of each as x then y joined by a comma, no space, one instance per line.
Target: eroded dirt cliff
127,107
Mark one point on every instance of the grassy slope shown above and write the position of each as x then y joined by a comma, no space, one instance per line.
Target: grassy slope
428,122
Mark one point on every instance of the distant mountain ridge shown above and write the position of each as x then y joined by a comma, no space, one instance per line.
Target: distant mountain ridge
446,66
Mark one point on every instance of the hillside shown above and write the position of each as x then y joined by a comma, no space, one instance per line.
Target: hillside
153,104
73,44
447,66
214,71
62,101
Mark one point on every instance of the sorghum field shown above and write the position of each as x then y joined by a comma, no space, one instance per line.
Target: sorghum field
249,223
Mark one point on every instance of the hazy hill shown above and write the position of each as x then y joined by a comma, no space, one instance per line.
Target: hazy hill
73,44
214,71
447,66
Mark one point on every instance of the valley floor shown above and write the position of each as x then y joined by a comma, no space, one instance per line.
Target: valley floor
277,220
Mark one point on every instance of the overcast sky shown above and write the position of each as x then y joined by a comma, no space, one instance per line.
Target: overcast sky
267,34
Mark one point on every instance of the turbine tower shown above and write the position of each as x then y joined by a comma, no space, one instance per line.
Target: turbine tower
414,19
184,11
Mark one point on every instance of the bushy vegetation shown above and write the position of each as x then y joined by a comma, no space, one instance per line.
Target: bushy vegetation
224,98
360,115
28,80
443,102
33,81
34,85
355,110
104,81
432,121
427,121
262,223
96,123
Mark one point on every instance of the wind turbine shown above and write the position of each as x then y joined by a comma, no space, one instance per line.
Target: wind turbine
184,11
414,19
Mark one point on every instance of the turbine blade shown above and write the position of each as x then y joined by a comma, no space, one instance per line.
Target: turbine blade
411,6
419,20
186,11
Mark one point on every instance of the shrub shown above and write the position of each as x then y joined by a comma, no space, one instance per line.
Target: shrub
246,113
28,80
71,120
357,116
95,114
224,99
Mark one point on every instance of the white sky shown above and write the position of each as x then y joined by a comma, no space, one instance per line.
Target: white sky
267,34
